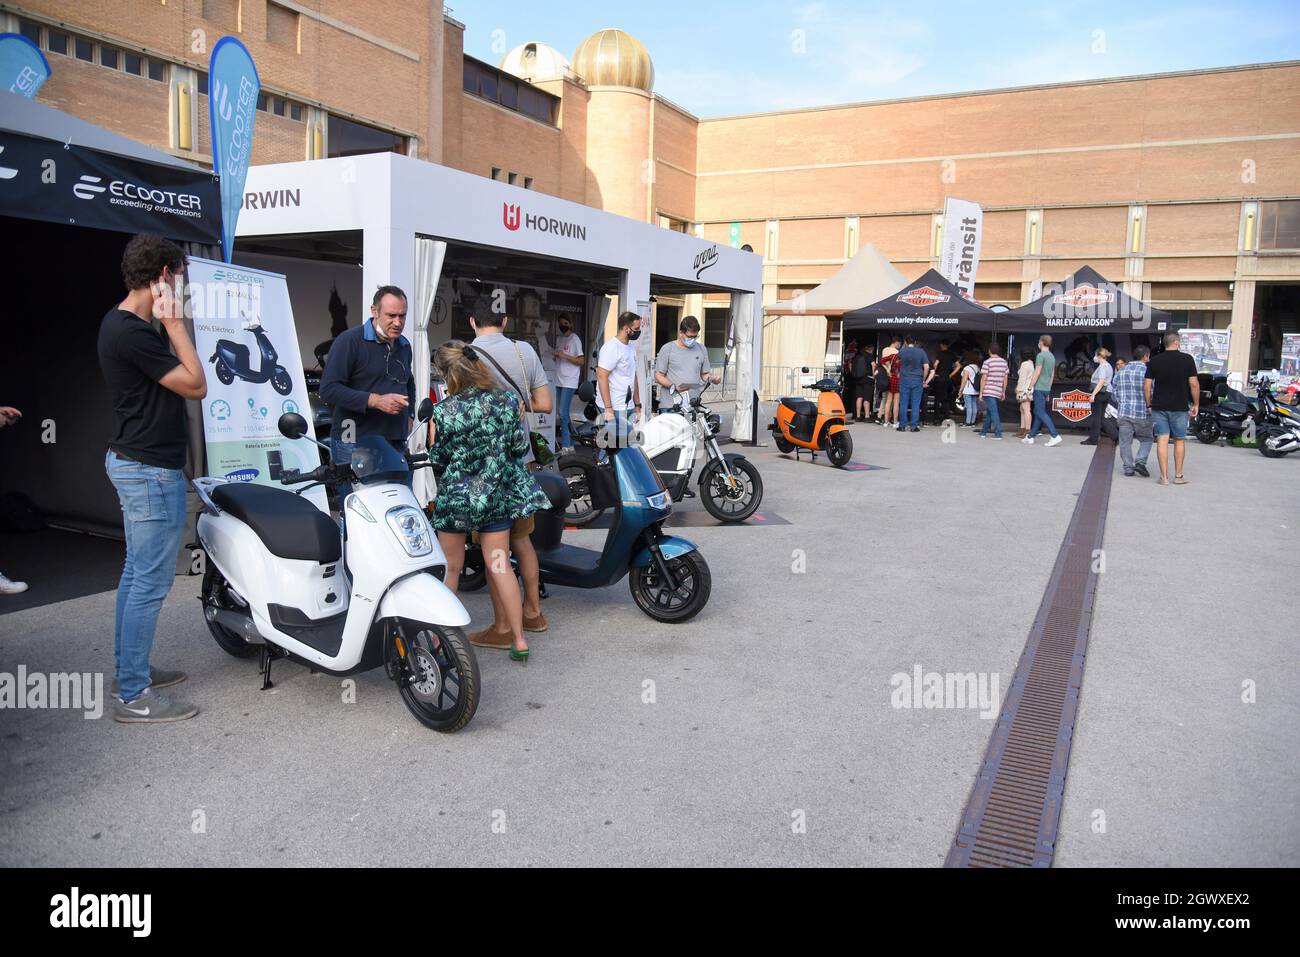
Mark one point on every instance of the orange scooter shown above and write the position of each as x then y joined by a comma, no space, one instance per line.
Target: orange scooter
799,424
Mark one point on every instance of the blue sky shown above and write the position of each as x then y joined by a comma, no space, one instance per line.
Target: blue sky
723,56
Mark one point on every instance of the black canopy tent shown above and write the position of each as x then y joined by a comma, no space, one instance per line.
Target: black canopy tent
1084,302
929,304
71,195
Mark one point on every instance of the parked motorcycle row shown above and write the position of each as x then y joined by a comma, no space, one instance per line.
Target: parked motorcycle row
1228,414
284,580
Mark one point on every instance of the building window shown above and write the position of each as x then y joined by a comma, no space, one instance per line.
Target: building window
30,30
496,172
349,138
202,85
278,106
1279,225
157,71
512,179
108,57
261,101
56,42
528,182
295,112
133,64
84,50
497,86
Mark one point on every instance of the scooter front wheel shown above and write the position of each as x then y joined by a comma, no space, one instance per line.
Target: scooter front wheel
437,674
658,599
280,380
728,503
841,449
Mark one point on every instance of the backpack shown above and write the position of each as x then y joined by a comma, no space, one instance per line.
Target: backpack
861,366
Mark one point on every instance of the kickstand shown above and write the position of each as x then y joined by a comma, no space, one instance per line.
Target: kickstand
267,658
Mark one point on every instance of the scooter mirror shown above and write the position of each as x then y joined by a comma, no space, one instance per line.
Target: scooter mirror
425,412
292,425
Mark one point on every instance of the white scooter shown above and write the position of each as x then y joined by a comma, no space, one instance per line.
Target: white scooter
283,582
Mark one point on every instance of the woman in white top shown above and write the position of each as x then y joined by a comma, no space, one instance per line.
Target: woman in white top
1101,377
968,388
1025,392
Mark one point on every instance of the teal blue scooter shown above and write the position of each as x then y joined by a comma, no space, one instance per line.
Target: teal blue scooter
667,575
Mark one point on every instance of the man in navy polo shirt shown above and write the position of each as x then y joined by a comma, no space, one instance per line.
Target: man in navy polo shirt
368,378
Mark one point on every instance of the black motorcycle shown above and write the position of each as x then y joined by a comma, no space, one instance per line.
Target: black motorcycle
1229,414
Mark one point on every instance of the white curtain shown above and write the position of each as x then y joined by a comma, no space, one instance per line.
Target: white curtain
429,254
744,339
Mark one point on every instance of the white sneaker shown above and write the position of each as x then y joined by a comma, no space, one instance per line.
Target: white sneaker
10,587
1026,441
1054,441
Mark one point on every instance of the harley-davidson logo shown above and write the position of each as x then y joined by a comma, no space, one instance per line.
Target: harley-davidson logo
1081,297
1074,405
923,297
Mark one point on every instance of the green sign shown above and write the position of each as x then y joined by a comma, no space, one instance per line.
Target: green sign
735,235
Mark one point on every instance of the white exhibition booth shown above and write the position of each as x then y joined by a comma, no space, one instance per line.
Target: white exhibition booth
409,213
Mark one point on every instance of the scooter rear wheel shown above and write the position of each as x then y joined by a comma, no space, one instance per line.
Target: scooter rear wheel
215,593
438,676
223,372
783,444
654,596
473,574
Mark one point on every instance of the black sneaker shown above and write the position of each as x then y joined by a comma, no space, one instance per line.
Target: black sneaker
1088,442
1141,470
916,429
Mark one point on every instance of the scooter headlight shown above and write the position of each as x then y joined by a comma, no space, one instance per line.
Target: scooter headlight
658,500
411,529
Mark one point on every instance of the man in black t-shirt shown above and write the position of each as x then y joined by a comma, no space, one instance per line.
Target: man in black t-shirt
148,385
1171,389
942,378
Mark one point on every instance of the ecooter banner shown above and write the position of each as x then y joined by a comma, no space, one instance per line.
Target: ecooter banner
959,254
245,336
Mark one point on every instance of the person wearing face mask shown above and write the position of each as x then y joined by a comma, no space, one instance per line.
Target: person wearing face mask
1101,379
567,353
683,364
616,382
150,373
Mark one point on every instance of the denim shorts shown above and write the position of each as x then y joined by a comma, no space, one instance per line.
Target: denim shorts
500,526
1172,424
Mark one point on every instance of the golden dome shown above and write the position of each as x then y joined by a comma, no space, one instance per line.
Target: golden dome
614,58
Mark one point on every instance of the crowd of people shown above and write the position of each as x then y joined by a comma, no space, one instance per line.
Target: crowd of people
1143,398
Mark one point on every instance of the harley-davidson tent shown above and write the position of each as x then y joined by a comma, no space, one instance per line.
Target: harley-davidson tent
930,303
1084,302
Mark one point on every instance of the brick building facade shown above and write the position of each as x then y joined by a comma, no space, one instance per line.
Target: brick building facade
1186,187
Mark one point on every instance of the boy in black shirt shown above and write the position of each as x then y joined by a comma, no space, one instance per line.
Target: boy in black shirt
148,385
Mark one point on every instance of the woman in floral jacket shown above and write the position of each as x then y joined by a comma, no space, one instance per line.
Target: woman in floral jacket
476,439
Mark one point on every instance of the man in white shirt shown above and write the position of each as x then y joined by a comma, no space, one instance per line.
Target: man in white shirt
616,374
567,353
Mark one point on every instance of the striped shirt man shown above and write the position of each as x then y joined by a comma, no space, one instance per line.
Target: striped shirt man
995,372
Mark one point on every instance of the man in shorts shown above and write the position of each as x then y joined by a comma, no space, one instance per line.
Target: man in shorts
1172,388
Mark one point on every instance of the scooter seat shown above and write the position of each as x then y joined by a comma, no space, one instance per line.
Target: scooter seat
556,488
238,353
289,525
799,406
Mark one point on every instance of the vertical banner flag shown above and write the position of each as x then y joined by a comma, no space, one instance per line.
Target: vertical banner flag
243,327
233,86
959,255
23,67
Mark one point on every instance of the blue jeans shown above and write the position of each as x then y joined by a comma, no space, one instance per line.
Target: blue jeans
153,517
972,405
992,416
563,403
909,402
1172,424
1042,418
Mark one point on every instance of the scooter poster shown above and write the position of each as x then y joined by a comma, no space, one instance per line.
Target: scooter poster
245,337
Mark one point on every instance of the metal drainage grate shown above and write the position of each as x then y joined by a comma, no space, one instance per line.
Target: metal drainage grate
1014,809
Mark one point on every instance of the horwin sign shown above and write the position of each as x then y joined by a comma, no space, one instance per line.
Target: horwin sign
513,218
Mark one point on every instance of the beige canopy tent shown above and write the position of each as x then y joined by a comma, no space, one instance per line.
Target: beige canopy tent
794,331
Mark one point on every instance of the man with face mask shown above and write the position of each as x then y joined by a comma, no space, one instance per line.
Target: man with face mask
567,353
616,382
683,364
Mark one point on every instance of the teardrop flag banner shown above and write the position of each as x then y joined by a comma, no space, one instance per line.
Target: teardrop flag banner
23,67
233,86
